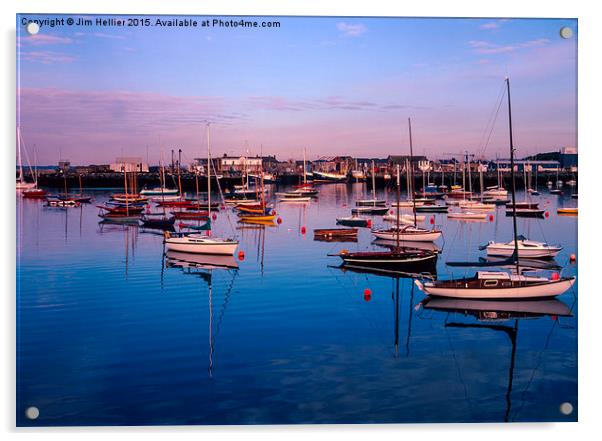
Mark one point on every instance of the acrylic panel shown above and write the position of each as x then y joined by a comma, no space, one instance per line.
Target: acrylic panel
295,220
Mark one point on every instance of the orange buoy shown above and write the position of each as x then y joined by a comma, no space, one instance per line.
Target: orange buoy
241,255
491,218
555,276
573,257
303,230
279,220
367,294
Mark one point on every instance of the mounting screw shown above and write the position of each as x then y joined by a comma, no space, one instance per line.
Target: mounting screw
566,32
32,28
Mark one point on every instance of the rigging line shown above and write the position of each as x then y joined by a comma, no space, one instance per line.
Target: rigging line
227,296
490,118
453,351
219,187
483,147
535,369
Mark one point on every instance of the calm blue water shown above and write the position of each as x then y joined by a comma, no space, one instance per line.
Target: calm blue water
108,334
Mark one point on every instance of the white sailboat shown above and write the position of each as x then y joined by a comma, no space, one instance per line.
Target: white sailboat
371,202
200,243
501,284
21,184
408,233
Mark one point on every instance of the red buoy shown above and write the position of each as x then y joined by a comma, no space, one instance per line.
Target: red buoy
303,230
241,255
554,317
214,216
555,276
573,257
491,218
369,223
223,207
547,214
279,220
432,221
367,294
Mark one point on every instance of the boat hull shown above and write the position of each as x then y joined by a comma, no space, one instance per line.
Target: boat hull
548,289
430,236
184,245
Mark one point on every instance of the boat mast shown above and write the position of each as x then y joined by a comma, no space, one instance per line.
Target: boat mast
412,172
513,185
208,170
19,154
398,199
304,169
373,185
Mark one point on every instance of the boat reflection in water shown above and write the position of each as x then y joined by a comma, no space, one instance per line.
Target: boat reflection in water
493,315
398,278
177,259
203,266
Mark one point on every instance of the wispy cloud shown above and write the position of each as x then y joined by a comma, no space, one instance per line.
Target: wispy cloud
495,24
351,30
487,48
44,40
46,57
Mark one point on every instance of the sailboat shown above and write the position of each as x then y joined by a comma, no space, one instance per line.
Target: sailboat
557,190
501,284
21,184
200,243
371,202
398,259
408,233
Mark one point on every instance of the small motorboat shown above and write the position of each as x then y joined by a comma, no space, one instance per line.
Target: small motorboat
354,221
370,210
370,203
406,204
294,198
525,212
432,209
526,248
571,211
191,214
58,202
34,193
159,191
158,221
466,215
336,234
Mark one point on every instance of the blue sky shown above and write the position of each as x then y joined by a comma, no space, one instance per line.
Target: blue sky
331,85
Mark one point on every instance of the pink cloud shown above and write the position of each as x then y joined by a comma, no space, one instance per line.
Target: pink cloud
493,24
44,40
46,57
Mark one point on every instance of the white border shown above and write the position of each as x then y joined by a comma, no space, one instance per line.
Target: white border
590,145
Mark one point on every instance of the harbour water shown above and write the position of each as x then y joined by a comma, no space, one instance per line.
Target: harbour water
111,331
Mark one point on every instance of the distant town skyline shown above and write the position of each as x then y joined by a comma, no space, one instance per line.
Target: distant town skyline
334,86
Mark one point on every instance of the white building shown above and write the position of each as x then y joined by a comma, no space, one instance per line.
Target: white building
129,165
